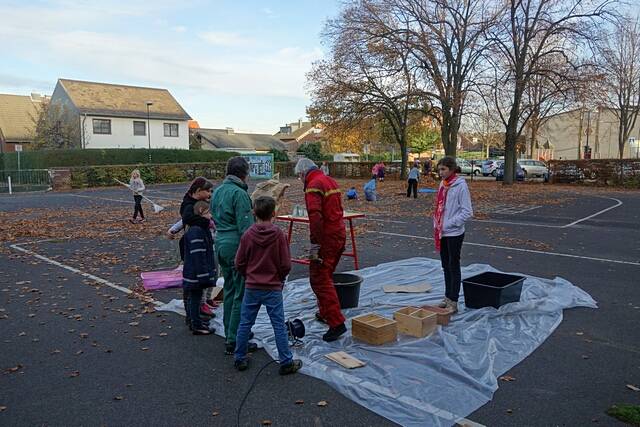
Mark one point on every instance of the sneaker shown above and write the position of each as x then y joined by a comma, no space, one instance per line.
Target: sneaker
444,303
132,220
241,365
230,348
290,368
334,333
206,310
453,306
201,330
320,318
142,220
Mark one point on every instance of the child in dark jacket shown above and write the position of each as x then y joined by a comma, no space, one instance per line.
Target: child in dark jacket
263,259
199,271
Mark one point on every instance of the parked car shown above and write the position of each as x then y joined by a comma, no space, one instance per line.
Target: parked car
490,167
500,173
533,168
467,168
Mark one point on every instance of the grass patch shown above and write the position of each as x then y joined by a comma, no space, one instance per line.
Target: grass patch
629,414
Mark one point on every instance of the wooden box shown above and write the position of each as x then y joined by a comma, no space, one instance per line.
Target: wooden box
374,329
415,321
444,314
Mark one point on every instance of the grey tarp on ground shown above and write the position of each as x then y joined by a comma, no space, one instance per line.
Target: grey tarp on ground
431,381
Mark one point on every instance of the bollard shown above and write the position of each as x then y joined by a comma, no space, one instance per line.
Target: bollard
9,181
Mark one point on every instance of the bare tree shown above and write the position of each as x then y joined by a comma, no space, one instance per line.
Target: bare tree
617,54
530,34
363,79
446,40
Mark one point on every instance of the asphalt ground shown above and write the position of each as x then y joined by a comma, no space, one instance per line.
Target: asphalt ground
75,351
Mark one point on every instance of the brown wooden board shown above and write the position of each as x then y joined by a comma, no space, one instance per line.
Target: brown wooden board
345,360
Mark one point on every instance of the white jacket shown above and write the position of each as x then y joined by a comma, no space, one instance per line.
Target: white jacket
457,209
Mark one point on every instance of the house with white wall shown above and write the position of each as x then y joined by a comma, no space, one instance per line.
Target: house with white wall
120,116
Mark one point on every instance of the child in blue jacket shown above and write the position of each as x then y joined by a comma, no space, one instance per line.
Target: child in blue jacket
199,271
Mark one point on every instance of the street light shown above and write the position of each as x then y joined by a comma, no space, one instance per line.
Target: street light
149,104
587,150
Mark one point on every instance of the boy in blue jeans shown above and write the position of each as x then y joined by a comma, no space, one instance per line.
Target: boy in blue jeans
263,259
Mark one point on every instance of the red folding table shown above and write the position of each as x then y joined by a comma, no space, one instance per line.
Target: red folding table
348,216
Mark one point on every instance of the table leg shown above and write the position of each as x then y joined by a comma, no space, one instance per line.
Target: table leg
353,245
290,233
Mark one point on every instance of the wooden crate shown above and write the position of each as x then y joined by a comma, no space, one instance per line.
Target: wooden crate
415,321
444,314
374,329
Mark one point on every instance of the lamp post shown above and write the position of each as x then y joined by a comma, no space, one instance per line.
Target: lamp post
149,104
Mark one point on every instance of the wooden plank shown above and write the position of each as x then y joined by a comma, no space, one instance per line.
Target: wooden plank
408,289
345,360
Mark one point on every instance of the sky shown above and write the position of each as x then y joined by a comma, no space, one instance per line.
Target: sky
238,64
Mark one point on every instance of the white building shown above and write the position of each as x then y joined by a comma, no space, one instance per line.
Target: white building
119,116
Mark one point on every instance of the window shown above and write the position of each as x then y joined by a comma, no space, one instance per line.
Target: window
139,128
102,126
170,129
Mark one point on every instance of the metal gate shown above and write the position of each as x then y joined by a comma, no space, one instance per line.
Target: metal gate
25,180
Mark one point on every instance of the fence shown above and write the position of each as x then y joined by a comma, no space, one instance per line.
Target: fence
597,171
24,180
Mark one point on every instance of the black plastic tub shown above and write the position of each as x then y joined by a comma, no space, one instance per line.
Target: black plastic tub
491,289
348,289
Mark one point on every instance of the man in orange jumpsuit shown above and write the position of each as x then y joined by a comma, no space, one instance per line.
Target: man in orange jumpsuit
328,235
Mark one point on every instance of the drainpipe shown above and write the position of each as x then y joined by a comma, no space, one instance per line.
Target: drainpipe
84,136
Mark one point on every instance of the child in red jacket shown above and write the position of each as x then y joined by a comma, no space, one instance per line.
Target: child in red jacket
263,259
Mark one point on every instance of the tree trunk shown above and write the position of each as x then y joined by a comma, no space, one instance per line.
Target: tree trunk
448,142
405,157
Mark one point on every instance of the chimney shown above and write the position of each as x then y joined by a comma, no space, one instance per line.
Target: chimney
299,123
229,131
36,97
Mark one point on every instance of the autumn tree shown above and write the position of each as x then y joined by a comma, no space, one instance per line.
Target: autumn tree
617,54
445,39
528,35
55,127
364,78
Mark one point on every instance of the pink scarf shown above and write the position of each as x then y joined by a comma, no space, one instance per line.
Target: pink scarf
441,202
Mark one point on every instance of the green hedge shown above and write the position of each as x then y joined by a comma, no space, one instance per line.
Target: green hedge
114,156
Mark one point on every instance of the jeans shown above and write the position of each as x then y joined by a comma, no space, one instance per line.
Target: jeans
412,187
138,207
251,303
450,248
192,300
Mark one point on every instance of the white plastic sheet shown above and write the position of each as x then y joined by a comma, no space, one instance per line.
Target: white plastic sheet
432,381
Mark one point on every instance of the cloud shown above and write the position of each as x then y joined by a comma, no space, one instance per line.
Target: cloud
270,13
219,38
179,29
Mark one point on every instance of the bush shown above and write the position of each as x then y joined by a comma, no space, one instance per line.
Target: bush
104,176
279,156
313,151
114,156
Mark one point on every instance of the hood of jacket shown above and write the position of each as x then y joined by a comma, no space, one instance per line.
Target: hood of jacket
232,179
264,234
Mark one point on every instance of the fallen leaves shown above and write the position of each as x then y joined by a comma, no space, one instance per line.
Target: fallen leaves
299,402
322,403
266,422
14,368
632,387
74,374
3,408
215,413
118,398
507,378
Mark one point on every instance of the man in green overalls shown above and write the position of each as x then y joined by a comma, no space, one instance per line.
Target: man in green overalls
232,213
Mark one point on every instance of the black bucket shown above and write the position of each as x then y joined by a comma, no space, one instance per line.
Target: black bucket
491,289
348,289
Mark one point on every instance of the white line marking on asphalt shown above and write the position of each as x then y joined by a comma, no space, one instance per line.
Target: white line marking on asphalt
76,271
533,251
576,222
618,203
